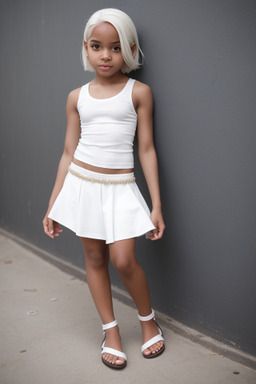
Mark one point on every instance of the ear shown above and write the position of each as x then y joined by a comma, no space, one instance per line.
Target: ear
86,48
133,48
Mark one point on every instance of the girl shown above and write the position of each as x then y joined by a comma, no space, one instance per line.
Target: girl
95,194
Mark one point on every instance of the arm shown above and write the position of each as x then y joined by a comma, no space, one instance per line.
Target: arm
51,228
143,101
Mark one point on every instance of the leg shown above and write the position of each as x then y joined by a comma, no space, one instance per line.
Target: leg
122,255
97,259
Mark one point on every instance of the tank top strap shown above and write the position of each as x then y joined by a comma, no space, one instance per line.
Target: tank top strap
82,95
128,88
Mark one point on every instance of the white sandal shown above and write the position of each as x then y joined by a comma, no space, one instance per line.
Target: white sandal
154,339
111,351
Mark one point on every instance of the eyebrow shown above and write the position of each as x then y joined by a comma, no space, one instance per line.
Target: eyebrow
97,41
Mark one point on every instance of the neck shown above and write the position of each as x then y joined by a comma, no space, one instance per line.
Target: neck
117,78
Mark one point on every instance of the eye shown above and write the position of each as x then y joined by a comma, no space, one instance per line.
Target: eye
96,47
117,49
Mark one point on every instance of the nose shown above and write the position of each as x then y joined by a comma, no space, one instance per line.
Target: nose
106,55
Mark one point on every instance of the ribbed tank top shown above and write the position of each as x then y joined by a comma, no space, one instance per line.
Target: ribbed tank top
108,128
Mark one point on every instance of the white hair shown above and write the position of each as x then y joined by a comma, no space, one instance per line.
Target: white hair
127,34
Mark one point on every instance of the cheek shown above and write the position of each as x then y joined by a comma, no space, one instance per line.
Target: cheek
90,54
120,58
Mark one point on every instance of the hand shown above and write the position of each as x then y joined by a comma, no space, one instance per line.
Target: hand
158,221
51,228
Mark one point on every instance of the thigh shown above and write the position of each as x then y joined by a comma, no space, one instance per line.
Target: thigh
96,251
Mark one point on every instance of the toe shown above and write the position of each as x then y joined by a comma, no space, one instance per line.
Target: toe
111,359
147,352
108,358
119,361
153,349
159,346
105,357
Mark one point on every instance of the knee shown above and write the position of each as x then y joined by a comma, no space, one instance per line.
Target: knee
96,259
124,265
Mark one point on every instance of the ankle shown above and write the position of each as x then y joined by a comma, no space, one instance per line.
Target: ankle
148,325
112,331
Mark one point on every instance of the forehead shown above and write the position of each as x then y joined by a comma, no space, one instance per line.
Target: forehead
104,31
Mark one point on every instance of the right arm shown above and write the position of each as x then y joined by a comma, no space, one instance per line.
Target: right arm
51,228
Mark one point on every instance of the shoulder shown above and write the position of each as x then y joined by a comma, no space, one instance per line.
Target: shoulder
73,96
141,89
142,94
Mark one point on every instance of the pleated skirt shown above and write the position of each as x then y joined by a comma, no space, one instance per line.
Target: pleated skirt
101,206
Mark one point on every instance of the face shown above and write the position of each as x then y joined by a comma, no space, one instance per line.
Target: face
103,50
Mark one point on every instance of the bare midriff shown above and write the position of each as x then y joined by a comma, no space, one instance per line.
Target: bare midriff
100,169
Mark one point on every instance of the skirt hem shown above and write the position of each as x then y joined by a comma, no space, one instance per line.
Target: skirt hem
100,237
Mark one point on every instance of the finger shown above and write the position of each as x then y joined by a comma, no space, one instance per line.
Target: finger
150,237
57,232
158,233
154,236
48,227
57,226
50,233
45,225
155,231
161,231
51,226
46,231
57,229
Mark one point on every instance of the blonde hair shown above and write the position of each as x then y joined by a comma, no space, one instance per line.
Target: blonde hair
127,34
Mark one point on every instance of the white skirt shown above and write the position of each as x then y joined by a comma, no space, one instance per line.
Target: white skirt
101,206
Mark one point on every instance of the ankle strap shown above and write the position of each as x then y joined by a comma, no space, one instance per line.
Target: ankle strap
109,325
147,318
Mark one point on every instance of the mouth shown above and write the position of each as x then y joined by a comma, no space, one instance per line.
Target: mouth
105,67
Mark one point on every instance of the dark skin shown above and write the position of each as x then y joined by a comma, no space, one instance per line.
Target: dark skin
107,60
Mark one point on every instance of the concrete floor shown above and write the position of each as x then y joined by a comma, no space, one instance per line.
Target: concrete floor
51,334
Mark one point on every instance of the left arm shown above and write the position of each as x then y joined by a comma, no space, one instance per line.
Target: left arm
143,101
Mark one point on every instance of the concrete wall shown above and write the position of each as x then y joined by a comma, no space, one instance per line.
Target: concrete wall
200,63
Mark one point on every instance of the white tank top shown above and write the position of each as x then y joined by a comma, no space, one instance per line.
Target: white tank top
108,128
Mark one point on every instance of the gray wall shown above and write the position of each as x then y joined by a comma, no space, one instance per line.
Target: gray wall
200,63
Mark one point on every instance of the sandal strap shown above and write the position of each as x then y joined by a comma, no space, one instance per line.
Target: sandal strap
114,352
147,318
109,325
151,342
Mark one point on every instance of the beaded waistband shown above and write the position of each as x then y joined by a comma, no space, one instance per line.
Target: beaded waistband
102,181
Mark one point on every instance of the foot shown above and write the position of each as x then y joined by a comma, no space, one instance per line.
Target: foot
150,330
113,340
